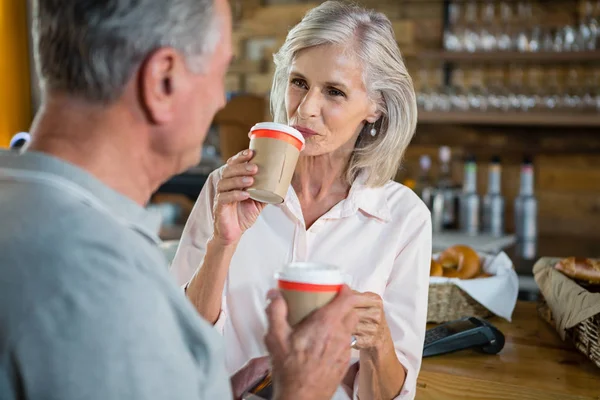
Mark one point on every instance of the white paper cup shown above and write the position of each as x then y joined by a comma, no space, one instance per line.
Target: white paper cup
277,148
308,286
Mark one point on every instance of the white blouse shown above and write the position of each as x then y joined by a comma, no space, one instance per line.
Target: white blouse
380,237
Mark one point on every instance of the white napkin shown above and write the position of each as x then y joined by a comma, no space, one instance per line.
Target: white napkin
483,242
497,293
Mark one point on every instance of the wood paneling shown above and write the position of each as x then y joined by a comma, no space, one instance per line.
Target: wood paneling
15,95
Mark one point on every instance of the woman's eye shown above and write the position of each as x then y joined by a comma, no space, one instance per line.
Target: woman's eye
299,83
336,93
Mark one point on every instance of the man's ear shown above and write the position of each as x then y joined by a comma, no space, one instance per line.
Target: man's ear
159,78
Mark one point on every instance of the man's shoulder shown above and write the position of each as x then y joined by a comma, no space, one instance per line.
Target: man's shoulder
54,248
126,333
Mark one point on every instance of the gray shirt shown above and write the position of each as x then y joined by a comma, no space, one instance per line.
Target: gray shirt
87,307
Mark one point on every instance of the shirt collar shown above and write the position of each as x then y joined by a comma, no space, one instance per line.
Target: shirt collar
122,207
370,200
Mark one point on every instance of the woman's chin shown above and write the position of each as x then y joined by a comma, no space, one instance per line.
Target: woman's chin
312,152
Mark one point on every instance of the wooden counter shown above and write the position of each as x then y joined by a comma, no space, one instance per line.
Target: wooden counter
534,365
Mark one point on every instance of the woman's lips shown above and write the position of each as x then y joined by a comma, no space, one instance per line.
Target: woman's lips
305,131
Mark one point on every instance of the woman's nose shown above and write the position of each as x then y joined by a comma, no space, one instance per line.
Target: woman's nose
309,106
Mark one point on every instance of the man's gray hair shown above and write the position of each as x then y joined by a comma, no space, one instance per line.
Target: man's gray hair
91,48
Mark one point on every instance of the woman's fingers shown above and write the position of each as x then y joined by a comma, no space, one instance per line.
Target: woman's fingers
237,183
233,196
241,157
245,169
367,299
237,175
239,165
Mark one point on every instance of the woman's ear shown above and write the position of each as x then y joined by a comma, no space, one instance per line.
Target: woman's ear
374,113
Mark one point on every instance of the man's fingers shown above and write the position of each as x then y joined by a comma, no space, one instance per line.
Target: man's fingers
344,300
279,330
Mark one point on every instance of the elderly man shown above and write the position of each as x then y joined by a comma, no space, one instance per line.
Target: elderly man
87,307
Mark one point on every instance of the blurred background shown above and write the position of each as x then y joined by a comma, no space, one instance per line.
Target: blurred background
509,109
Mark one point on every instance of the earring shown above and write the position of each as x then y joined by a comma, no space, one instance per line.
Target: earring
373,131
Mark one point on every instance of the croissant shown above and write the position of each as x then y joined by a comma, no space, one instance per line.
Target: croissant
584,269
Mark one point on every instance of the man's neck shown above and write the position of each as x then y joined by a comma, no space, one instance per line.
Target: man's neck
111,147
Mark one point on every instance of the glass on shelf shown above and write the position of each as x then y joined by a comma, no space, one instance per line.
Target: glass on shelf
592,100
517,99
532,90
498,99
586,33
477,96
504,38
471,40
572,95
487,34
457,92
452,41
478,25
524,16
517,88
551,98
426,94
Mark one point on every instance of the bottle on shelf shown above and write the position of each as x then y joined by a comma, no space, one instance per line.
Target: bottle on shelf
469,199
424,179
526,211
447,189
493,201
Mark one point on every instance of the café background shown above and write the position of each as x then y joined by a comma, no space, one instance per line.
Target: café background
563,141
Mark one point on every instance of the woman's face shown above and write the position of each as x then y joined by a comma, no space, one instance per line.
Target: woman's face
326,99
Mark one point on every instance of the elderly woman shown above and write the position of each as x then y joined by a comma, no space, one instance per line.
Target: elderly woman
340,80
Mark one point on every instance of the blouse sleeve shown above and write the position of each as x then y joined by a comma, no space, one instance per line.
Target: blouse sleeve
405,303
198,229
196,233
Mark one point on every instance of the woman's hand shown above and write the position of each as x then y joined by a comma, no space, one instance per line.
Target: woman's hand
381,373
372,331
233,209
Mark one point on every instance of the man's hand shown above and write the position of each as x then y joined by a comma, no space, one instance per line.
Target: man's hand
310,361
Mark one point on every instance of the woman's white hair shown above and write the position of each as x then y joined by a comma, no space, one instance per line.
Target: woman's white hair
370,35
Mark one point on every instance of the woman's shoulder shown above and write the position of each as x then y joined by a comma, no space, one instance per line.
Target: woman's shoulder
403,201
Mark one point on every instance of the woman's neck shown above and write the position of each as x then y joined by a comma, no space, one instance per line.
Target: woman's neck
319,177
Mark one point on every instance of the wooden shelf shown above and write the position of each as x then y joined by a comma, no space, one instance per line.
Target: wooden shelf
511,56
509,118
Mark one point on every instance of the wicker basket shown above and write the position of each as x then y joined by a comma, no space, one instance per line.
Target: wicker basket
585,336
448,302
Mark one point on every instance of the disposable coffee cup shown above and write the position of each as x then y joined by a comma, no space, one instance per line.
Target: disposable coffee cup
307,287
276,148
